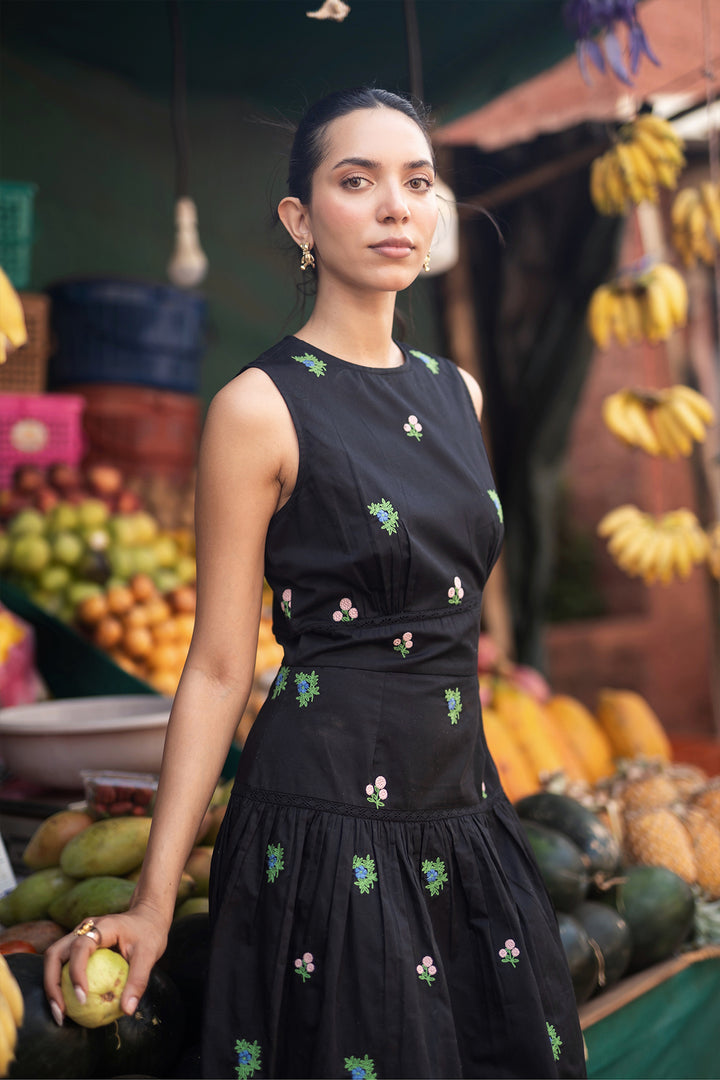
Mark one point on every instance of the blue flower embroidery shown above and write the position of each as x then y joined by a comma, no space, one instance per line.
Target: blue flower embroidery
248,1055
429,361
454,704
386,514
317,367
307,687
365,873
361,1068
275,861
435,875
498,505
280,681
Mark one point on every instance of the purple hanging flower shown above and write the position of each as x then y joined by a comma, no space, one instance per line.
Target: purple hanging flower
592,22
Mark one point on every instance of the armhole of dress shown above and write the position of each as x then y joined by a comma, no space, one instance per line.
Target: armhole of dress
298,435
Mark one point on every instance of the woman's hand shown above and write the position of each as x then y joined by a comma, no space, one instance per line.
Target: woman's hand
140,935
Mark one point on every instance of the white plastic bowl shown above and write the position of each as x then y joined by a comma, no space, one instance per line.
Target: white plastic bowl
50,742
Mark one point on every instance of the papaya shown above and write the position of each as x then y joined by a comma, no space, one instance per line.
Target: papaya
44,846
609,935
632,727
659,909
581,957
33,896
514,770
563,866
110,847
582,731
570,817
535,732
92,896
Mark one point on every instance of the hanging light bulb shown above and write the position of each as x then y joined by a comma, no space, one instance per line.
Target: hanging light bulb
188,264
444,249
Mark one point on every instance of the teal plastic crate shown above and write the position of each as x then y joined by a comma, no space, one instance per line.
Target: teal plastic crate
17,201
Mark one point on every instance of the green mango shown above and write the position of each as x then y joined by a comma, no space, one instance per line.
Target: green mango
94,896
7,914
111,847
192,906
32,897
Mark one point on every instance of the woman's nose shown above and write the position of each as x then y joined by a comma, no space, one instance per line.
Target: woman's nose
393,203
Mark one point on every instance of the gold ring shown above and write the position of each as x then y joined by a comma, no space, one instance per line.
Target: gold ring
88,927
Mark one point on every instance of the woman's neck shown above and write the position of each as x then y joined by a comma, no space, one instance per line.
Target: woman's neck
355,327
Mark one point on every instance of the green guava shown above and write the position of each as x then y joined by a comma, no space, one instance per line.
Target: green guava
107,973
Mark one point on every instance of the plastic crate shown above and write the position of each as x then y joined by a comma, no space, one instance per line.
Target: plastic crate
25,370
112,331
17,200
39,429
144,432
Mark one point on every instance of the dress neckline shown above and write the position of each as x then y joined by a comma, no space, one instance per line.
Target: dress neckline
360,367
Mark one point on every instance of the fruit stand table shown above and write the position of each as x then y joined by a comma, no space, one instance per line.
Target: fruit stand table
661,1024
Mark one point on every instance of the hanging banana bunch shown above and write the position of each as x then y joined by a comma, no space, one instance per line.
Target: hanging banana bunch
654,548
695,218
664,423
647,155
648,303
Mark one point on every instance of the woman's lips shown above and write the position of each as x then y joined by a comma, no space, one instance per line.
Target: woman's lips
393,249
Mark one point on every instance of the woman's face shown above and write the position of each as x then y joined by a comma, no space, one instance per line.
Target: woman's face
372,211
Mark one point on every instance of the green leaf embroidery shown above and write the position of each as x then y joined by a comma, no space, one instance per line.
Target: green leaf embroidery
307,687
275,861
248,1058
429,361
555,1041
454,704
361,1068
317,367
498,505
386,514
365,873
435,875
280,681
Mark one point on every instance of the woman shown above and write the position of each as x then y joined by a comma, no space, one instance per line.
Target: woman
375,911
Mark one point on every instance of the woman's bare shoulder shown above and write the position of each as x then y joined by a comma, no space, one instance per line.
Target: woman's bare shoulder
474,390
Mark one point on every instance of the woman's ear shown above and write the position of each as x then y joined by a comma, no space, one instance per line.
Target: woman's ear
295,218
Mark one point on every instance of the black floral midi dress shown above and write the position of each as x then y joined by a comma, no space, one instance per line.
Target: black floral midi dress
376,912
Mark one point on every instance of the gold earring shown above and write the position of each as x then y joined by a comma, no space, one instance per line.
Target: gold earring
308,259
426,263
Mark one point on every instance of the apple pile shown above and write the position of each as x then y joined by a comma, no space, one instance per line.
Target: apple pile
80,546
43,488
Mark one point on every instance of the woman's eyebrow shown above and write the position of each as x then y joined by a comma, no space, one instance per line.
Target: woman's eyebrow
366,163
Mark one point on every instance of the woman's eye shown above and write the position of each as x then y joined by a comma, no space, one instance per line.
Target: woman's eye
354,182
420,183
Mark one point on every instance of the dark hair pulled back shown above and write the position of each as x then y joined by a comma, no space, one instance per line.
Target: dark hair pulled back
308,148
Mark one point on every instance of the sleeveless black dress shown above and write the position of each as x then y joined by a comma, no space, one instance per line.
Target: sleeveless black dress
376,911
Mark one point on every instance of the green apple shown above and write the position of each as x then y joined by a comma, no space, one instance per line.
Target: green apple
166,551
54,578
63,518
27,522
78,591
186,569
146,527
29,554
92,513
67,548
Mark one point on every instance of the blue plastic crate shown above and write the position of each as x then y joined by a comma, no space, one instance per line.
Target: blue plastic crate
17,200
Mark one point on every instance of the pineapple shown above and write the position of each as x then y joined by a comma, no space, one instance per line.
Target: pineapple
658,838
705,839
708,799
649,792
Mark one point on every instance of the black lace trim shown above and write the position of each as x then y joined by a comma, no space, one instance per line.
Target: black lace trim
307,802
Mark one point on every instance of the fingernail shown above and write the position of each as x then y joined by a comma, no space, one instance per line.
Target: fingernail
131,1006
80,994
57,1013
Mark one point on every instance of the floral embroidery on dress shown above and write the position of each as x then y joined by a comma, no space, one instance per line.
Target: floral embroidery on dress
365,873
361,1068
454,704
377,792
498,505
413,428
404,644
456,591
286,603
435,875
317,367
347,612
386,514
304,966
248,1054
280,681
307,687
483,790
429,361
555,1041
510,954
275,861
427,970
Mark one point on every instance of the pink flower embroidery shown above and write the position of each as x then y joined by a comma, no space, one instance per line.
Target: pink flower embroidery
377,793
346,611
413,429
304,966
456,591
404,644
286,603
427,970
510,954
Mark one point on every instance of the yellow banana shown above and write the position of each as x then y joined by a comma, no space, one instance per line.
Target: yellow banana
686,417
7,1022
622,536
675,430
711,201
7,1052
699,544
600,314
645,563
626,166
675,291
682,205
615,418
639,424
682,245
664,557
666,438
697,221
597,185
631,315
658,321
613,519
627,559
696,401
10,989
615,187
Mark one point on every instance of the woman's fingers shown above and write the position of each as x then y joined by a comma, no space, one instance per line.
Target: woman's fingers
77,950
